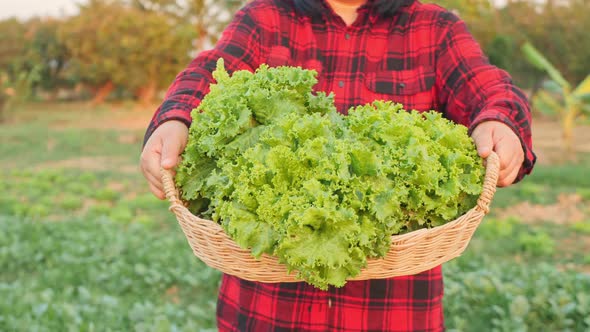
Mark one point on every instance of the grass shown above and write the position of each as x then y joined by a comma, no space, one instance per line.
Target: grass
66,133
51,194
546,183
85,247
510,240
99,275
484,293
48,145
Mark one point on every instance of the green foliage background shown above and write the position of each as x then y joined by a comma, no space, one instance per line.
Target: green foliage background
84,246
87,248
138,43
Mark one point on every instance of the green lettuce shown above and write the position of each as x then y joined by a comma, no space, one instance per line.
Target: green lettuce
285,174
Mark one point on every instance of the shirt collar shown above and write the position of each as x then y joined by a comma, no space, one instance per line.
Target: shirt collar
368,4
367,8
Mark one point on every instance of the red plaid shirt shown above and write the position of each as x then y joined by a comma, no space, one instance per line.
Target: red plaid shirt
422,57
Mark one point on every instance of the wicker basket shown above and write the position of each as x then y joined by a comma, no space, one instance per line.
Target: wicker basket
410,253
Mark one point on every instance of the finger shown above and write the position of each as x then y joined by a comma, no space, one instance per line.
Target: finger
504,175
151,169
483,141
516,162
157,192
512,169
509,178
509,162
511,159
150,165
171,149
155,181
507,151
506,155
155,184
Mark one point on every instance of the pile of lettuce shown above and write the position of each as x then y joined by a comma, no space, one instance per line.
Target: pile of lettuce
286,174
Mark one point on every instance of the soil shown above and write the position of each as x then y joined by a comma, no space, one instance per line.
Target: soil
569,209
118,118
547,144
548,141
91,164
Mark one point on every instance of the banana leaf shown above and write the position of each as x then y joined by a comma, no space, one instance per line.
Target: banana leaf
540,62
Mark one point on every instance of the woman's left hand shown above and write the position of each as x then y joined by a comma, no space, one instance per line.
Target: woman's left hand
498,137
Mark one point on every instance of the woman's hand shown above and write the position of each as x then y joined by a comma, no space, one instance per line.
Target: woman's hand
163,149
498,137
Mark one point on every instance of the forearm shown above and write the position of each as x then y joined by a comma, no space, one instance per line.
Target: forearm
473,91
509,105
184,95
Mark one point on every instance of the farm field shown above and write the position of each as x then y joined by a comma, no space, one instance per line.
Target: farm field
84,246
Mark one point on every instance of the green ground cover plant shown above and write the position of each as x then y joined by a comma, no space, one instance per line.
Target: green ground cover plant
119,261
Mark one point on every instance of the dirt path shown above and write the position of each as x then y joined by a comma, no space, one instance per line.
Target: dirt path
94,163
569,209
548,142
106,117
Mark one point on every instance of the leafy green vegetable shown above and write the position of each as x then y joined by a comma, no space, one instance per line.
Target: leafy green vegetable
286,174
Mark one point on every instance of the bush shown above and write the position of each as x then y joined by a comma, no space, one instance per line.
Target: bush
486,296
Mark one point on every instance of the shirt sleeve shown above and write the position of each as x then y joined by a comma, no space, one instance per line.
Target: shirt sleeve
472,90
238,46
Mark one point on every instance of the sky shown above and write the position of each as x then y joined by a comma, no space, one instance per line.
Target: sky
27,8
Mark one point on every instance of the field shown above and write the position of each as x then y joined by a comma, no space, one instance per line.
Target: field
85,247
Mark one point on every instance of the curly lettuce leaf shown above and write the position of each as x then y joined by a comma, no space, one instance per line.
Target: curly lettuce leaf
286,174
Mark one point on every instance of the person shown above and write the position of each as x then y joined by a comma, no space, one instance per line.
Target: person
420,55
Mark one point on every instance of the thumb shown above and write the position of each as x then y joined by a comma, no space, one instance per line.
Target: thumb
482,136
170,152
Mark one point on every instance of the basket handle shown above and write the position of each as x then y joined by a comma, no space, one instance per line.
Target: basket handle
489,183
170,188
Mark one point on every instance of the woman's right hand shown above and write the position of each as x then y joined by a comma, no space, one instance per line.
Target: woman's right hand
162,150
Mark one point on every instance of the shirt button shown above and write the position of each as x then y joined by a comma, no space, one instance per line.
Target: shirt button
341,84
347,36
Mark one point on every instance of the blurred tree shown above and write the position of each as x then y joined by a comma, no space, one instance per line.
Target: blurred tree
84,35
12,40
208,17
480,16
496,36
48,54
4,96
12,46
562,33
116,45
139,45
557,28
17,76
